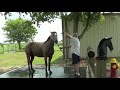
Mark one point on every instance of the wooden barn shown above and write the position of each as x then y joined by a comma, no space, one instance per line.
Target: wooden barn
110,27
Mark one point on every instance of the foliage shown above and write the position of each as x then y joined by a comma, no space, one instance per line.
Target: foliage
37,17
87,18
49,16
19,30
93,17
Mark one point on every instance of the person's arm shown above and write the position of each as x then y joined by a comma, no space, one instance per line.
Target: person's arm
66,47
68,35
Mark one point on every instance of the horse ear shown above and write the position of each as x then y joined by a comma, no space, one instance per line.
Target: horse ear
56,33
106,37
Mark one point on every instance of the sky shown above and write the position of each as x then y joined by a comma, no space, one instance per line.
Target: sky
43,31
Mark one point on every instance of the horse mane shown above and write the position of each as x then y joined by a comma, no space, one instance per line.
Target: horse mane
47,39
103,40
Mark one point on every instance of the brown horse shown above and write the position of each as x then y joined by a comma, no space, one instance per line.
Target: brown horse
41,49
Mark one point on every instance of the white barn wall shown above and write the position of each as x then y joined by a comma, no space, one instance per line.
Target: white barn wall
110,28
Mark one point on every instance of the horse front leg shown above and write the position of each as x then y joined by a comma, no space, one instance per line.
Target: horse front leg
50,72
31,74
32,58
46,73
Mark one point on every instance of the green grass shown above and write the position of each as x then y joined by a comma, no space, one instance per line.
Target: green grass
16,59
14,47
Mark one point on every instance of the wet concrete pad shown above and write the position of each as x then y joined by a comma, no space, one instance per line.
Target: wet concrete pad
57,72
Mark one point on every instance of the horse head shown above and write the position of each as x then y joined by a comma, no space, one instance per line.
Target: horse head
102,47
109,43
54,37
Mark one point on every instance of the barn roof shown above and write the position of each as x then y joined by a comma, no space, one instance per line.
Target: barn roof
111,13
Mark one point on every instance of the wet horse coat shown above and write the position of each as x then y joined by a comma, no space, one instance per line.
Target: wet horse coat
39,49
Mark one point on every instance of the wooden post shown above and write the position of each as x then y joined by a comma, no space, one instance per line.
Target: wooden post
63,25
66,29
8,48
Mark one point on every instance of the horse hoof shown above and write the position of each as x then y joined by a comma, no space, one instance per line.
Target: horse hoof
33,70
50,73
46,74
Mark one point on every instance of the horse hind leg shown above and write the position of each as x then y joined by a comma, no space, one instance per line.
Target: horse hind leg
28,61
31,60
50,72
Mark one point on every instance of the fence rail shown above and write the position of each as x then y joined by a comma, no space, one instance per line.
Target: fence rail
6,48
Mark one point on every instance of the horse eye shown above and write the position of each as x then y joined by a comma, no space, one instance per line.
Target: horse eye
53,35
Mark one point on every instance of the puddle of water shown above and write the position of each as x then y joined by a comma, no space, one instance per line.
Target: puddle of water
58,72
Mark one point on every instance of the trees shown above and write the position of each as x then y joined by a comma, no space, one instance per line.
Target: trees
87,18
19,30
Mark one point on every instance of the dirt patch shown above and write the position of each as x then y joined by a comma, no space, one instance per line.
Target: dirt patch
6,69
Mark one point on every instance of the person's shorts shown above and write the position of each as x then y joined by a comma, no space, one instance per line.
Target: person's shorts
75,59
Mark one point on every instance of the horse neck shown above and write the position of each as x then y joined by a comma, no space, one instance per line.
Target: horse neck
50,43
102,48
102,44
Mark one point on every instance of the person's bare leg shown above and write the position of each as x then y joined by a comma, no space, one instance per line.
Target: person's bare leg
77,68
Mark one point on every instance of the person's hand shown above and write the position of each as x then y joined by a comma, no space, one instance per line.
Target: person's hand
66,34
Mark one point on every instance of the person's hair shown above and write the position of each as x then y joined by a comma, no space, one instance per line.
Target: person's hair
75,34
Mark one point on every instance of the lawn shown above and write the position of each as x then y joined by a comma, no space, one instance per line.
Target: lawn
18,59
11,47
